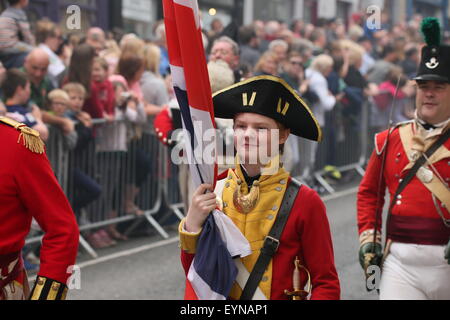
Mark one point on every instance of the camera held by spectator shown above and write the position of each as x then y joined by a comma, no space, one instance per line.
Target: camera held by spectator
125,98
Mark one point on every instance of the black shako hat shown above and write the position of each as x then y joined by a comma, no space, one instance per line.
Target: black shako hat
435,62
271,97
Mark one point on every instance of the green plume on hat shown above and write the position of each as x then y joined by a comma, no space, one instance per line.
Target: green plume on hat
431,30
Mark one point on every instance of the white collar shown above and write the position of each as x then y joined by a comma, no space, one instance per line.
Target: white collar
437,126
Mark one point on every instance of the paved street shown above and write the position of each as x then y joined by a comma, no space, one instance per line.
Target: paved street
153,270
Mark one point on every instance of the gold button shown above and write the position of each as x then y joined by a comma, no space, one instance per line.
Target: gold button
270,217
275,208
278,189
283,182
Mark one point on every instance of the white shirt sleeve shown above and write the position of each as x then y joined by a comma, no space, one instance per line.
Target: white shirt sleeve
320,86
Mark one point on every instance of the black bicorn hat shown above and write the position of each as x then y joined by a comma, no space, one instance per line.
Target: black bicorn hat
271,97
435,62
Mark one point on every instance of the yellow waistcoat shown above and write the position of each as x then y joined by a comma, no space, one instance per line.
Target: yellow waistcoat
255,225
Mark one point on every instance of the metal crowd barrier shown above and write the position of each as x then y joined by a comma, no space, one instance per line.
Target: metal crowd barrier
142,175
146,162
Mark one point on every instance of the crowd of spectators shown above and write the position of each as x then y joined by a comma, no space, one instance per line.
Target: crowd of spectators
97,87
339,67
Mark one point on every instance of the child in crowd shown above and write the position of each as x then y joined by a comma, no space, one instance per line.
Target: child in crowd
77,96
58,101
17,90
100,104
16,38
85,189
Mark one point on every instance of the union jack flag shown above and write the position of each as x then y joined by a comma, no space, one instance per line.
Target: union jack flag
213,271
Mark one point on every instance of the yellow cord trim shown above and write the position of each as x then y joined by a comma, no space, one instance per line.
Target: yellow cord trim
31,138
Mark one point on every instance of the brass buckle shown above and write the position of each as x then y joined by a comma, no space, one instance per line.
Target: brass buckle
272,239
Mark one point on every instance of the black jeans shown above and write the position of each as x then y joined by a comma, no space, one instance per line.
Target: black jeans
86,189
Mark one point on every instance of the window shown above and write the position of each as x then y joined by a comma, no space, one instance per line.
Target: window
273,10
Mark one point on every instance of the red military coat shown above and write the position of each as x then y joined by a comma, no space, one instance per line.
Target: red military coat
307,236
29,189
414,218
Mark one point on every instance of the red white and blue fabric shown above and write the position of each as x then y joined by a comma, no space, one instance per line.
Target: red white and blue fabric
213,271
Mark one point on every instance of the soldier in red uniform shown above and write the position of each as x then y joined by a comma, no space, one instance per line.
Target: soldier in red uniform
412,160
254,199
29,189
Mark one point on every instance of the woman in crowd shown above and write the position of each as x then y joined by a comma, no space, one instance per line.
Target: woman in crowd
131,67
317,74
111,147
267,65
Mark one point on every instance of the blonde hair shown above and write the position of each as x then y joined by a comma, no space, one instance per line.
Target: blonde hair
126,38
262,60
133,45
58,94
355,32
75,87
111,47
322,62
220,75
131,60
152,57
356,51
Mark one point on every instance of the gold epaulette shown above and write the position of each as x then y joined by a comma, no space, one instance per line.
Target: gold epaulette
30,138
48,289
